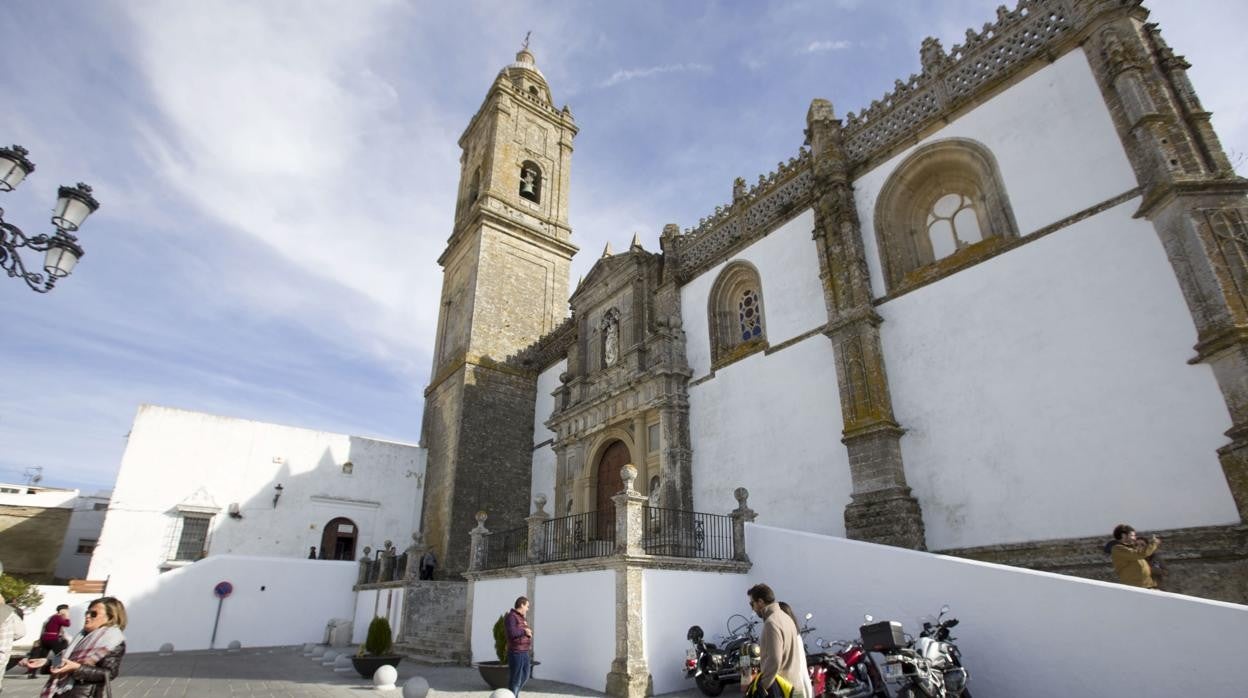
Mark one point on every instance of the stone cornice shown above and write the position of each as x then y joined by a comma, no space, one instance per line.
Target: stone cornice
613,562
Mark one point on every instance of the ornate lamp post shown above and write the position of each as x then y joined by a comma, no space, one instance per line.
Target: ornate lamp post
62,251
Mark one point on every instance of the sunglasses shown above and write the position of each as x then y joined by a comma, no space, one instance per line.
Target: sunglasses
94,614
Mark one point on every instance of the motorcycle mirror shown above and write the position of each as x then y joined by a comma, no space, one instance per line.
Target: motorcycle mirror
944,609
818,642
868,618
952,622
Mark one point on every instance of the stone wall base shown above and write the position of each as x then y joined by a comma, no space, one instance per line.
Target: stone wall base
433,621
629,681
1210,562
889,516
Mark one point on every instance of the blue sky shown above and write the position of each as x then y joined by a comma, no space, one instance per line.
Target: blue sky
277,179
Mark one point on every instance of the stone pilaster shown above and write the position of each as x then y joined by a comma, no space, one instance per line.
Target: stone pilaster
476,553
629,676
742,515
537,531
1195,202
882,509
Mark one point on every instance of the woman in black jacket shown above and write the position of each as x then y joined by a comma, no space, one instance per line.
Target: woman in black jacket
93,659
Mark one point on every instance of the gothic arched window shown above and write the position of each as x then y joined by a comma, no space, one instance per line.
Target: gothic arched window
735,312
945,202
531,181
610,337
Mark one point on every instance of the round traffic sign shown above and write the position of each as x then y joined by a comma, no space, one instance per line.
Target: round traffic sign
223,589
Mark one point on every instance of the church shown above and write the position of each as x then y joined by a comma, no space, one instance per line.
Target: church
992,314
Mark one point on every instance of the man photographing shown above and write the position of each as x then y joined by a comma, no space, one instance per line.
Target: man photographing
1131,559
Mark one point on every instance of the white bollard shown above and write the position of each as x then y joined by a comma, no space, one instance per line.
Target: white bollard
384,677
328,658
319,651
307,649
166,649
416,687
343,663
234,646
501,693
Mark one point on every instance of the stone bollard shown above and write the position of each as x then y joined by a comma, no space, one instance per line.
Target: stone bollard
501,693
416,687
742,515
166,649
234,646
384,677
319,651
476,554
329,657
343,664
308,648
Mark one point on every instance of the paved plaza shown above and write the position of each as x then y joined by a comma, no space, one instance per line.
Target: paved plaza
280,672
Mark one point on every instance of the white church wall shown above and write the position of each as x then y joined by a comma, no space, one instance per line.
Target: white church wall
544,460
174,457
574,629
492,598
674,600
1054,143
772,424
788,267
276,601
374,603
1045,397
1008,617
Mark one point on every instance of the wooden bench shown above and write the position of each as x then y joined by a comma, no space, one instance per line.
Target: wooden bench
87,586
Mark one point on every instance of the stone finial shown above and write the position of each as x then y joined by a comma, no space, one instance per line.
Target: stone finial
738,189
629,475
607,251
481,517
820,110
671,230
932,54
367,551
540,502
635,245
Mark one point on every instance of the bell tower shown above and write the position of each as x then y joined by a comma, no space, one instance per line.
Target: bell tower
504,285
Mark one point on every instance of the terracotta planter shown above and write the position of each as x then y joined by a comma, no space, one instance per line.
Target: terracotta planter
368,664
495,674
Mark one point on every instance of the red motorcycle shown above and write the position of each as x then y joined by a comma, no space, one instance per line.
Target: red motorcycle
844,669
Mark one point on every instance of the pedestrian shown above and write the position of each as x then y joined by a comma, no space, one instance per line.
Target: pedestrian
427,562
92,660
808,688
12,628
519,645
1130,557
53,638
312,552
779,671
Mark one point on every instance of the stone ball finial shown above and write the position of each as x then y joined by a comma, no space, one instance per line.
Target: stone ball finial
540,502
741,494
367,551
482,516
629,475
388,544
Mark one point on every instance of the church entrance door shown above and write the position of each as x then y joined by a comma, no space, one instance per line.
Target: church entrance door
610,483
338,539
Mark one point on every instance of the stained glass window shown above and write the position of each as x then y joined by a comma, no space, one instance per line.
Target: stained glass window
749,319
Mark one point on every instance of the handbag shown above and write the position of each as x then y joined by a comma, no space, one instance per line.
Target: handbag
780,688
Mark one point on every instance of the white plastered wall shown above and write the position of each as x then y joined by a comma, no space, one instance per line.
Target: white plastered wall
574,628
544,460
175,456
672,601
1046,392
770,422
492,598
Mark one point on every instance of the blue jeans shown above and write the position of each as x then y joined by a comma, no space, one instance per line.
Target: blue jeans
518,670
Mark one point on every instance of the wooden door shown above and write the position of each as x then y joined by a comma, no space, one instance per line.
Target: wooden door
610,483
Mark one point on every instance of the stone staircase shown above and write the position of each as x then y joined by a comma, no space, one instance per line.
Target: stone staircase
434,618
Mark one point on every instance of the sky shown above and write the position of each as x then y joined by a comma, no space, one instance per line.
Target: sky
277,179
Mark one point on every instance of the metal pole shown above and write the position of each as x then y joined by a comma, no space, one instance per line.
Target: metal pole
215,622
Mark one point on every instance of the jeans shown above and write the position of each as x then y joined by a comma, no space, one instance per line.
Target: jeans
518,670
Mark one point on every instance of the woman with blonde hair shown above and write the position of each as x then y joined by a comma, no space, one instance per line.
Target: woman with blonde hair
93,659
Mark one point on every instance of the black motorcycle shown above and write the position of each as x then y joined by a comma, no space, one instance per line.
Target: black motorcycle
712,666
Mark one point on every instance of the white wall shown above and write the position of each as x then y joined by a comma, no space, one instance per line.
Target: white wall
574,629
544,460
772,424
35,496
371,603
174,456
1053,141
672,602
85,523
1045,397
788,267
490,599
53,596
1023,634
276,601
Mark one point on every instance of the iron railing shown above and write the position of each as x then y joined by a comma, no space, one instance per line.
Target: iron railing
679,533
577,536
373,573
506,548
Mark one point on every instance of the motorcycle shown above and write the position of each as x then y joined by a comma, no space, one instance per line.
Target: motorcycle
713,666
930,666
844,669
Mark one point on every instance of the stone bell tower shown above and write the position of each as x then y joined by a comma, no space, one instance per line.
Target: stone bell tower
504,285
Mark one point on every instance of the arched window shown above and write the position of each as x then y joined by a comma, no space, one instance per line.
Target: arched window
474,185
945,202
610,337
735,311
531,181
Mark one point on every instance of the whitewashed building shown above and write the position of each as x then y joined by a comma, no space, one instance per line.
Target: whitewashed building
194,485
81,535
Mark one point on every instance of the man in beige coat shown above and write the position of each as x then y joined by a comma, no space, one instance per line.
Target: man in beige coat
781,645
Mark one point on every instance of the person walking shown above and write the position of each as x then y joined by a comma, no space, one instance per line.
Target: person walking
428,561
1130,558
12,628
519,645
54,637
93,659
808,688
779,672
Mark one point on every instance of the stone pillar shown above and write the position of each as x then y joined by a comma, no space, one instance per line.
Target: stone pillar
629,676
742,515
385,574
881,509
365,563
414,553
537,530
1195,202
476,552
629,523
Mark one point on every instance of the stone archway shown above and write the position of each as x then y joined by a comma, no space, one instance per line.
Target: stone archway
613,458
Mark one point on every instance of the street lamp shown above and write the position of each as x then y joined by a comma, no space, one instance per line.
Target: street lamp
62,251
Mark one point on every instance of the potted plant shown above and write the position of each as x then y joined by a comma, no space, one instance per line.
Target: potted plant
376,650
496,674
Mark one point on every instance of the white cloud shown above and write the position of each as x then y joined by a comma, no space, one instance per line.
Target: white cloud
827,45
623,75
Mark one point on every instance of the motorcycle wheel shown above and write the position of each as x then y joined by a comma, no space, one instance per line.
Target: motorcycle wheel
908,692
709,684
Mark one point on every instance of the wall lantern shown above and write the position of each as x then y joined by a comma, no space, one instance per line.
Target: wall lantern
277,494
